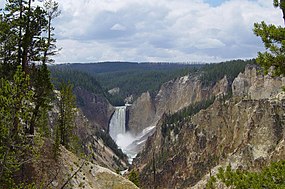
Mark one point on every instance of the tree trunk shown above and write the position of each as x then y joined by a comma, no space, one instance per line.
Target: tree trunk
25,60
27,41
33,120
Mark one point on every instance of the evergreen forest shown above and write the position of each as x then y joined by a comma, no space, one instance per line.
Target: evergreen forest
132,79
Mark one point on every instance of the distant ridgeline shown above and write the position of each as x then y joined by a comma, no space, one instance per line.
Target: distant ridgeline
132,79
76,78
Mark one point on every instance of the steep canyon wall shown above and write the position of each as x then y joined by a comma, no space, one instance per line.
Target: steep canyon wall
172,97
246,130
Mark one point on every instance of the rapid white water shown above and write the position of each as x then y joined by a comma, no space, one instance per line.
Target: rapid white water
118,123
129,143
117,130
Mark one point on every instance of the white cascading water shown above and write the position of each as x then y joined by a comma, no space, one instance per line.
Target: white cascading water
118,123
117,130
129,143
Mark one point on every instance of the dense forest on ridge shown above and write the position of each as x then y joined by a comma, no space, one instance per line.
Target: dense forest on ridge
136,78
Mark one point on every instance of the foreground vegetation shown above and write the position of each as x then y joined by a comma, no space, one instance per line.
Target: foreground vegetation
272,176
26,91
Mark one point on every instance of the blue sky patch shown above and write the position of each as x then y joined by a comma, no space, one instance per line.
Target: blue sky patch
214,3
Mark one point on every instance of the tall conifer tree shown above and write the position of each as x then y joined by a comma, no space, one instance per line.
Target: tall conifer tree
273,38
67,111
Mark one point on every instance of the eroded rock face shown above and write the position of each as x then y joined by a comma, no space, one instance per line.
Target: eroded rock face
221,87
179,93
246,133
252,84
95,107
94,146
141,113
90,176
172,97
184,91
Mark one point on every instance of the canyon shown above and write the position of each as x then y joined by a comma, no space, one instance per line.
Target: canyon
245,130
237,121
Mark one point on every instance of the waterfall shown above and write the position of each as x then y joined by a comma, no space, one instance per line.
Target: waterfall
118,123
129,143
117,130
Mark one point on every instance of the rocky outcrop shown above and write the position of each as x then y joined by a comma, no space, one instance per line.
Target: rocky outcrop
172,97
182,92
221,87
254,85
179,93
70,171
114,91
246,133
247,130
141,113
90,175
95,107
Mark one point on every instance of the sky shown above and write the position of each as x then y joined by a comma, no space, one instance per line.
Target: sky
160,30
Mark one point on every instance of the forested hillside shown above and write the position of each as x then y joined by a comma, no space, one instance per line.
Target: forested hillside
111,67
76,78
214,72
130,78
136,78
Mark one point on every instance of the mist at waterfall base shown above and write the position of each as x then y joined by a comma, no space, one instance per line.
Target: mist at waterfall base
124,141
127,142
131,144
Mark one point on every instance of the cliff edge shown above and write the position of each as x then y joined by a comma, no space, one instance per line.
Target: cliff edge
246,130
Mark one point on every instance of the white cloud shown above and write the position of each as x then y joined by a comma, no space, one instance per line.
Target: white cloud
209,43
118,27
161,30
2,3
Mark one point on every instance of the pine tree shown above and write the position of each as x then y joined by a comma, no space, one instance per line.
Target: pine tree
26,39
272,176
43,93
25,86
52,11
26,33
67,112
273,38
15,111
